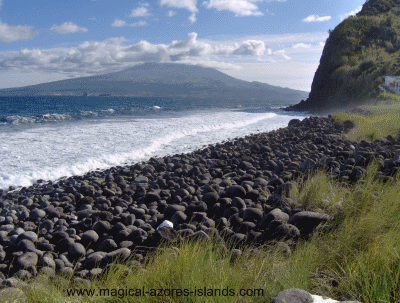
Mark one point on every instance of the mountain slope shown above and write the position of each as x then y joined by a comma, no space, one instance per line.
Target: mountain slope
161,79
359,52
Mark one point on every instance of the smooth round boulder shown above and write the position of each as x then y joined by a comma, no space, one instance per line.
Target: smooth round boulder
235,191
93,260
199,236
252,214
37,214
27,260
151,197
76,251
306,221
238,202
88,237
46,261
107,245
210,198
47,271
30,235
119,254
286,231
275,214
178,217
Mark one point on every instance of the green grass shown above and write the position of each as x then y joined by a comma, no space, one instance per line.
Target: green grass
380,121
359,249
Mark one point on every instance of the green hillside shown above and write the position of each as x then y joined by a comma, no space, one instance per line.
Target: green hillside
357,55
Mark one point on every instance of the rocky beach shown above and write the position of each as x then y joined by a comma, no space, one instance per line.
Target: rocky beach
233,191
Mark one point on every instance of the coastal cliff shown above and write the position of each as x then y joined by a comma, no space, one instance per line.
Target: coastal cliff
357,55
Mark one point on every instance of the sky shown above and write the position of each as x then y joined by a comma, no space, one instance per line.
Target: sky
278,42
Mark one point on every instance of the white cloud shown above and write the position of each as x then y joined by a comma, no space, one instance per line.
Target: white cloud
171,13
9,33
139,23
282,53
93,57
250,47
67,28
192,18
141,11
283,60
316,18
352,13
239,7
301,45
190,5
119,23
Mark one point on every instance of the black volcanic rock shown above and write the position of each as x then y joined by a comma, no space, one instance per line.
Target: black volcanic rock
204,205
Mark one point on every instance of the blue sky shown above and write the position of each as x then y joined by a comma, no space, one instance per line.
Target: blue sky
278,42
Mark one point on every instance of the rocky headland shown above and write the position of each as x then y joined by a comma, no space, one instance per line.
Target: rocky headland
233,191
358,54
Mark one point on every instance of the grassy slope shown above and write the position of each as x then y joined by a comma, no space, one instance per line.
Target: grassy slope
358,250
359,52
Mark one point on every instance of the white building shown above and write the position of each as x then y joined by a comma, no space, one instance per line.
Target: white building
392,83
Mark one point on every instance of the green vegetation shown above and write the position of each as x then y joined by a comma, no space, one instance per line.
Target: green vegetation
358,53
377,121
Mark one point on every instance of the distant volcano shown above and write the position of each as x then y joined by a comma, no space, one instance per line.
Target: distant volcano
164,79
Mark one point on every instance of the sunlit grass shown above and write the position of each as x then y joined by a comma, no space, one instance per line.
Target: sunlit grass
383,120
359,248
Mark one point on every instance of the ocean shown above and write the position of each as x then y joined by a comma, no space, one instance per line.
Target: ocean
52,137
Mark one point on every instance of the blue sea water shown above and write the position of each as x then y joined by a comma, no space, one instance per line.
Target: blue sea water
50,137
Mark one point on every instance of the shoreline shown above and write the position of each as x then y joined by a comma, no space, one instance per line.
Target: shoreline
48,158
227,190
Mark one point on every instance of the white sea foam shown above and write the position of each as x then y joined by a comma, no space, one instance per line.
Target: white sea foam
50,151
108,111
